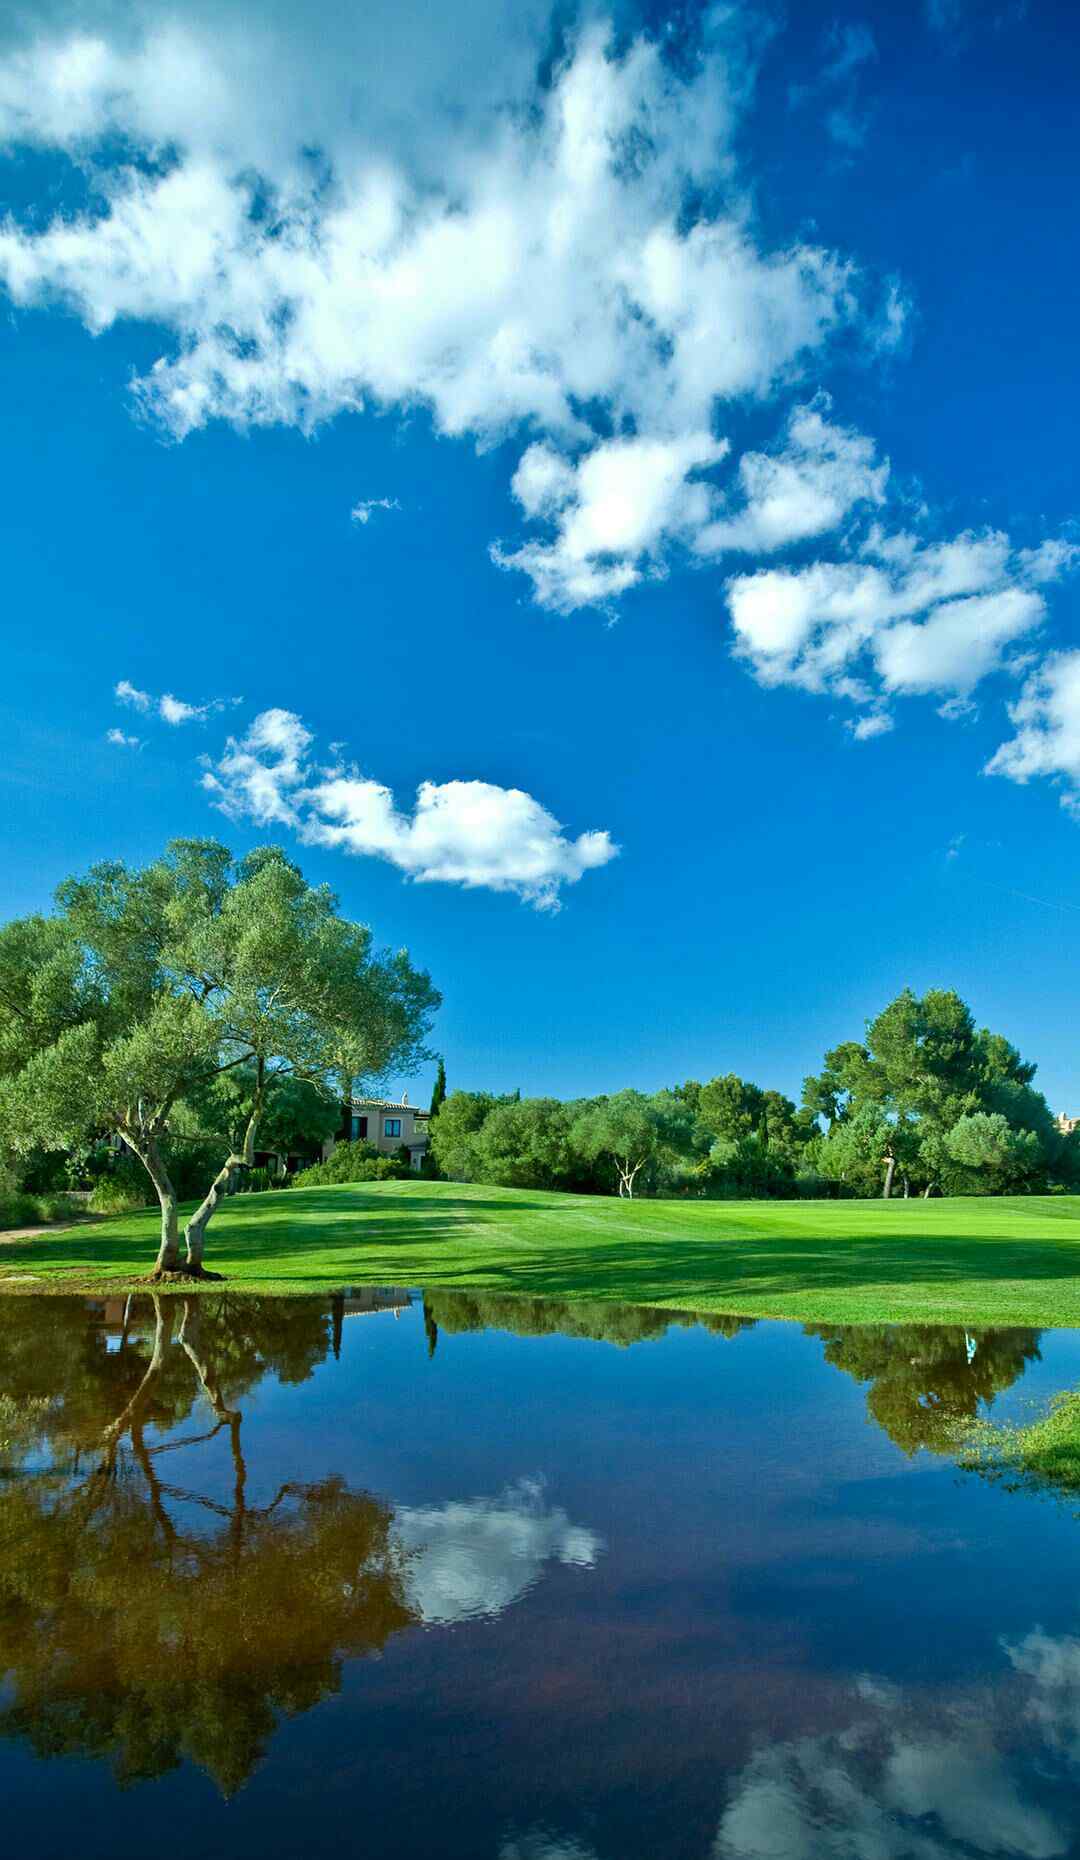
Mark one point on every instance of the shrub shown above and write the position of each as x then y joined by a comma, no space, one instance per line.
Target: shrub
18,1210
353,1162
58,1207
256,1181
116,1194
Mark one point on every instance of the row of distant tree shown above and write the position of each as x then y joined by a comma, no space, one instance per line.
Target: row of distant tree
925,1103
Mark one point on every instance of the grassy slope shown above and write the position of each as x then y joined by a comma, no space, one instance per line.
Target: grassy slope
1008,1261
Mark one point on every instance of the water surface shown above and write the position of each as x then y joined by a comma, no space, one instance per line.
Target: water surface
492,1579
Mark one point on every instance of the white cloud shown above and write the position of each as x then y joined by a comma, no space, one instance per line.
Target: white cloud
803,489
170,709
475,1557
875,723
362,512
906,617
615,512
118,738
330,209
470,833
1046,717
549,271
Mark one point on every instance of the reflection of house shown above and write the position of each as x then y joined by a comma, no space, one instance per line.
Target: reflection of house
389,1124
364,1301
118,1321
1066,1124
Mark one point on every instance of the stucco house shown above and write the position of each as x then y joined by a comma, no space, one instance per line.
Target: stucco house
388,1123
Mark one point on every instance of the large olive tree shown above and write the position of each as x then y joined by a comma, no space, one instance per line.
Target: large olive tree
147,985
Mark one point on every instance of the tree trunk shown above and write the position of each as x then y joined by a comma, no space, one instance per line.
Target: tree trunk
112,1435
926,1191
890,1171
907,1188
195,1231
168,1258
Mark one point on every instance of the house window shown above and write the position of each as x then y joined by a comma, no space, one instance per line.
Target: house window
359,1129
391,1127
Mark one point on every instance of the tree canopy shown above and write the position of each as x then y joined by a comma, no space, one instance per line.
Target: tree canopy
149,987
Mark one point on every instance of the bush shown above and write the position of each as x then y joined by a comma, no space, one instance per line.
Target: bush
58,1207
256,1181
18,1210
117,1194
353,1162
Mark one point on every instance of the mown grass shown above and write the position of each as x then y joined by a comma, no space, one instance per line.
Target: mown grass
1003,1261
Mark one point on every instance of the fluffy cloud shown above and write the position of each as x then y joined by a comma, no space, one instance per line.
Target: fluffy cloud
906,617
329,209
618,508
475,1557
469,833
170,709
1047,720
614,513
900,1784
122,741
875,723
806,487
551,270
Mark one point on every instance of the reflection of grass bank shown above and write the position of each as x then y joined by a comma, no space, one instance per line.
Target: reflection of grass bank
1013,1260
1043,1457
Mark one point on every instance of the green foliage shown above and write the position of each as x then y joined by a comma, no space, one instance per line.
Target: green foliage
257,1181
131,1010
626,1129
18,1209
354,1162
996,1155
524,1143
116,1195
438,1095
933,1102
454,1131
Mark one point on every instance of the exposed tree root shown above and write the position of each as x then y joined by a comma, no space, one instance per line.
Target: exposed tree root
182,1275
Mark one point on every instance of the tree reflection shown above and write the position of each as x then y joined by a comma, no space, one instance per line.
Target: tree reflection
925,1380
143,1619
595,1319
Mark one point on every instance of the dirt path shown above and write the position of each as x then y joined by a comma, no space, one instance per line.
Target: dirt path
11,1234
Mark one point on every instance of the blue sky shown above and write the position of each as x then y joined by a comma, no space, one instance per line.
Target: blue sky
748,346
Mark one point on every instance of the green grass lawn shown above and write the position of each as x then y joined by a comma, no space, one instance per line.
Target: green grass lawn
1007,1261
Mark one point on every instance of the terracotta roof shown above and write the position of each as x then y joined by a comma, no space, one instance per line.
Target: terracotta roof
386,1104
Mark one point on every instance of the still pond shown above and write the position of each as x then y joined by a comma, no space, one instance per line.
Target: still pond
461,1576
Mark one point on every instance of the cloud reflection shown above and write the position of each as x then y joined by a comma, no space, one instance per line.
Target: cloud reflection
474,1557
902,1782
